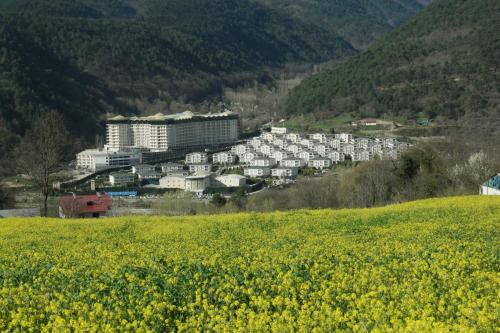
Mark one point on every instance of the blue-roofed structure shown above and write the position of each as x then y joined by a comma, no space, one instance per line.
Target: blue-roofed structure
491,186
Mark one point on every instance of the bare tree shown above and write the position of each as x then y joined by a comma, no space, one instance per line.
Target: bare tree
41,151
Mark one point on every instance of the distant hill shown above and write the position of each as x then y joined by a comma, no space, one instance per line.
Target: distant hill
443,64
358,22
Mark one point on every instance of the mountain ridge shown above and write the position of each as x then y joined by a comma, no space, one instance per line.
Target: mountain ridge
442,63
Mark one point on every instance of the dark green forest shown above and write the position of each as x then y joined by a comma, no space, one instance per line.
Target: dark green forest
443,65
85,58
360,22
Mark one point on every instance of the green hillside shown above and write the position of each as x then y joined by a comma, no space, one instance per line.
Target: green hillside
426,266
358,22
87,57
443,64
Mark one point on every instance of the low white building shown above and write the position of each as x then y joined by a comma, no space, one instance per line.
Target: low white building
320,163
173,182
200,167
224,158
279,130
263,162
198,183
293,162
197,157
121,179
230,180
148,175
255,172
282,172
101,159
167,168
142,168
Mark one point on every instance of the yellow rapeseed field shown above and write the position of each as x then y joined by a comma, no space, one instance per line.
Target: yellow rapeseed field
431,265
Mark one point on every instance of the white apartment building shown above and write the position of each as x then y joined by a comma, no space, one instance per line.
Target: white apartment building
282,172
279,142
293,137
279,155
196,157
321,149
293,162
255,172
266,149
200,167
347,148
240,149
171,167
336,156
344,137
269,137
248,157
100,159
306,155
320,137
307,143
335,143
363,143
294,149
255,142
178,131
223,158
263,162
361,155
320,163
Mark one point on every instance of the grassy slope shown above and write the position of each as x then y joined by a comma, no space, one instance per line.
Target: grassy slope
420,266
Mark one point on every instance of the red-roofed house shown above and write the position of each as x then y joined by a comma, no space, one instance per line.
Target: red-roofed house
94,205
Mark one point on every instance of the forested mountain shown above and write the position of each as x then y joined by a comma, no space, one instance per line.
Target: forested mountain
444,63
84,58
360,22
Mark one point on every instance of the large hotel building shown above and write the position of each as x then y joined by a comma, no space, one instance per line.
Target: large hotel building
182,131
